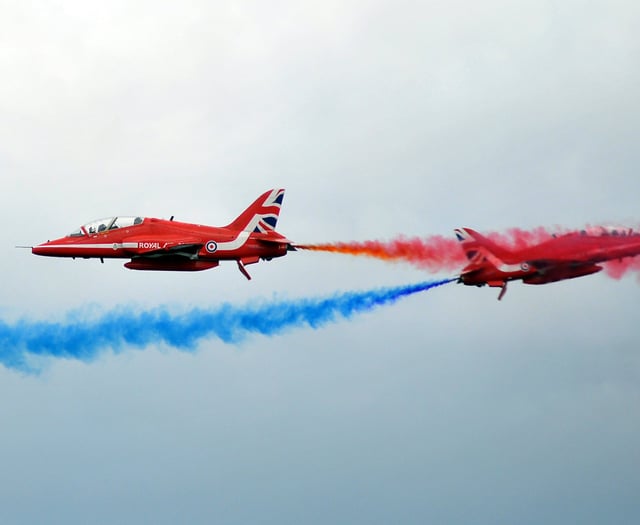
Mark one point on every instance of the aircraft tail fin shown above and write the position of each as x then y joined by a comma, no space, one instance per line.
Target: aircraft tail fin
483,253
262,215
479,248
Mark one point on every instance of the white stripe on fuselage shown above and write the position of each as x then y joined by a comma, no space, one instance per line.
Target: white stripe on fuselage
112,245
236,243
243,236
497,262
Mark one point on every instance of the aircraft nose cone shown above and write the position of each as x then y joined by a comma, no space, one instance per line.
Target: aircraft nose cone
40,249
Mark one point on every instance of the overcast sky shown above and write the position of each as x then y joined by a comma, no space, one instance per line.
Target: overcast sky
379,118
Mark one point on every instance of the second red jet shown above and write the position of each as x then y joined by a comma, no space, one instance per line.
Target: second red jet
158,244
561,257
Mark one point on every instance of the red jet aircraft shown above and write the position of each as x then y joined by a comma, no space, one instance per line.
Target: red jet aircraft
158,244
561,257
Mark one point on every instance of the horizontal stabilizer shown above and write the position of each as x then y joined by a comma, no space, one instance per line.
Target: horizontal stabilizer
271,237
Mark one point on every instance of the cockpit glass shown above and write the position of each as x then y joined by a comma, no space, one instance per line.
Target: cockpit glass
98,226
103,225
608,231
125,222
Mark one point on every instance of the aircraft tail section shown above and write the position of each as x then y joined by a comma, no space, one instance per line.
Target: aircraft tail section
486,261
262,215
479,248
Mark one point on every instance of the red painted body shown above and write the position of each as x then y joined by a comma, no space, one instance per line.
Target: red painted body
561,257
158,244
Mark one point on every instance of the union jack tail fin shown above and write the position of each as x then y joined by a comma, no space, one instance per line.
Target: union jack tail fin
262,215
480,249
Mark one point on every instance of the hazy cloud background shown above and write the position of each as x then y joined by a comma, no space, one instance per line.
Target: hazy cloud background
379,118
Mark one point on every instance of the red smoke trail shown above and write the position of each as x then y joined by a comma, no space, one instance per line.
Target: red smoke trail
438,253
619,268
434,253
431,253
517,239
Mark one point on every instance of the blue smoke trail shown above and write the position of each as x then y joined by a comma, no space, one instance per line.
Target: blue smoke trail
85,339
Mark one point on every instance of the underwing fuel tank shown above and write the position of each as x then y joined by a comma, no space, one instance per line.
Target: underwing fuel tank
176,265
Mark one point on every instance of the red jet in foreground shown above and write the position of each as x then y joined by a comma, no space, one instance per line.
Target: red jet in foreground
562,257
158,244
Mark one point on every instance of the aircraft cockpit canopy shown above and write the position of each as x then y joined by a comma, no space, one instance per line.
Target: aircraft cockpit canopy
109,223
606,231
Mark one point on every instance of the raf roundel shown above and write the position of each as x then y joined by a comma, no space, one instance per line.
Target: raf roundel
211,246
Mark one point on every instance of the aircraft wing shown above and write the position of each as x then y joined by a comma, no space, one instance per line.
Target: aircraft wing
592,254
144,247
542,264
546,271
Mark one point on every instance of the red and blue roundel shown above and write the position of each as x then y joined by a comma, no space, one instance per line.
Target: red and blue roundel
211,246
